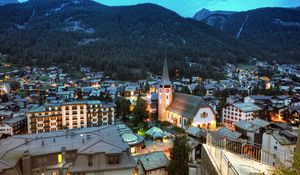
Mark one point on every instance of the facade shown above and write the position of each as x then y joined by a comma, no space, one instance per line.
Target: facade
278,145
253,130
180,109
86,151
69,115
14,125
239,111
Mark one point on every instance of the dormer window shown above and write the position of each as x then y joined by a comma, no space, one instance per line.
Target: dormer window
113,159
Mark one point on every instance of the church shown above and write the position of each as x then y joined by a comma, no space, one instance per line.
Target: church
182,110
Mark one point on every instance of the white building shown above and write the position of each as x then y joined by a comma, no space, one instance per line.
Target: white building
278,146
239,111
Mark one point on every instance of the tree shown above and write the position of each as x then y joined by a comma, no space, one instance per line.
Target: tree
199,90
179,157
294,170
147,86
140,111
123,107
14,85
185,90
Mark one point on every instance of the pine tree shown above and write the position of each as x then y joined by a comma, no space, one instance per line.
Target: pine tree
179,157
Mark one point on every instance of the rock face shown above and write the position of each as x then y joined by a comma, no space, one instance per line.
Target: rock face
204,13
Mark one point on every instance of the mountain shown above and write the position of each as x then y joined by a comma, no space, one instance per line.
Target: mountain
4,2
204,13
126,40
275,30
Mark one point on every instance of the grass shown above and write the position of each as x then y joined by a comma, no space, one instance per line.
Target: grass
141,132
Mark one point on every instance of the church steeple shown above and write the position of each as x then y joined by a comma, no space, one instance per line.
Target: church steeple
165,95
165,80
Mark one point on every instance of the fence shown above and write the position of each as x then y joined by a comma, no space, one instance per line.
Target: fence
221,161
249,150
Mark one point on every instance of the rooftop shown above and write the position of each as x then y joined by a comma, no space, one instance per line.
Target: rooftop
247,107
252,125
105,139
153,160
228,133
186,105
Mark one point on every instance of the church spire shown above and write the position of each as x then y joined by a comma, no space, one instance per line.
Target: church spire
165,80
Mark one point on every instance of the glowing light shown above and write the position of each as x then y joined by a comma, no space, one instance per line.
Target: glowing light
59,158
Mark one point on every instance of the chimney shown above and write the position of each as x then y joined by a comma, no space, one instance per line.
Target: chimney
63,153
88,136
26,163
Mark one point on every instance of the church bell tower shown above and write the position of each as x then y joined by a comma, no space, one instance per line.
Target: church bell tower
165,94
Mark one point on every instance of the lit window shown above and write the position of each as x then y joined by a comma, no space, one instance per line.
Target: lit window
59,158
53,173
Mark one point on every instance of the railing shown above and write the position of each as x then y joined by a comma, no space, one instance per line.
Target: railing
250,150
222,162
243,148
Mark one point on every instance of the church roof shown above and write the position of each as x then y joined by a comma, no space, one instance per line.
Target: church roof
165,80
186,105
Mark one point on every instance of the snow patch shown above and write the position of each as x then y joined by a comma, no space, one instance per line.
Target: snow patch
87,41
242,27
77,26
60,7
286,23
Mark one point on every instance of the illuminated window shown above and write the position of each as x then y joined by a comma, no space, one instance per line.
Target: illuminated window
59,158
53,173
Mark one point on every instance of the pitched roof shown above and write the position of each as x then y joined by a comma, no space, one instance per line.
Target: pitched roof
165,80
247,107
252,125
153,160
228,133
186,105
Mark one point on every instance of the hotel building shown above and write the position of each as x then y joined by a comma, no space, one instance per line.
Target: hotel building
69,115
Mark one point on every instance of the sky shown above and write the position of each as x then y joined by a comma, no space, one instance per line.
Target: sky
187,8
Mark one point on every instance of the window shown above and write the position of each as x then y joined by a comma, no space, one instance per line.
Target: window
204,114
53,173
113,159
90,161
59,158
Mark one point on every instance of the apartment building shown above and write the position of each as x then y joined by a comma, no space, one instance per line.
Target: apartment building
14,125
69,115
239,111
82,151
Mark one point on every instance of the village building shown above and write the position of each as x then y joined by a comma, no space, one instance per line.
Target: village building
181,109
239,111
14,125
92,151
